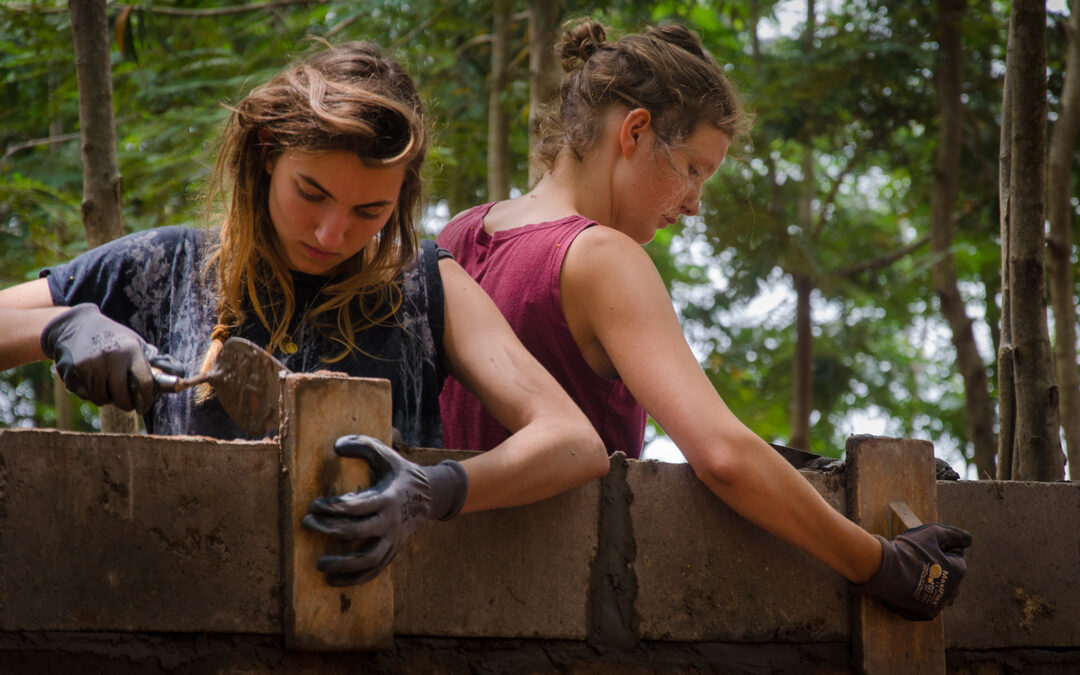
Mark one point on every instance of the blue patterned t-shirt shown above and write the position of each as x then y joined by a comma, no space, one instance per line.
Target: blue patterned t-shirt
152,282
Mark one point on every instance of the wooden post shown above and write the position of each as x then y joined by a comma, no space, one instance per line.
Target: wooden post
892,483
316,410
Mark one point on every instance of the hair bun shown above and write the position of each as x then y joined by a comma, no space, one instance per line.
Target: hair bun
581,42
680,36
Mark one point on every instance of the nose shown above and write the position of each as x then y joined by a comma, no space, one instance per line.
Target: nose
330,232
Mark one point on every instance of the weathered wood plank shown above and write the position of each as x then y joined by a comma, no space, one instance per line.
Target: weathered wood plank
316,410
881,471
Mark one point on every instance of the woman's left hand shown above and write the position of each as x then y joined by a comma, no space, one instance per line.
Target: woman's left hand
403,496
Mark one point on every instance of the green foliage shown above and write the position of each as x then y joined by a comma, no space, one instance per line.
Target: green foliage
860,97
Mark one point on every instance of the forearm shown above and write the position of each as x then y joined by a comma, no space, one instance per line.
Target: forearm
20,341
544,458
762,487
553,446
24,311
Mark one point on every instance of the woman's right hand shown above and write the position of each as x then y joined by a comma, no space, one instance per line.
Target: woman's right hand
381,518
103,361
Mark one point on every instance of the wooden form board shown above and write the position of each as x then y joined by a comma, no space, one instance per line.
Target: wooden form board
892,483
316,410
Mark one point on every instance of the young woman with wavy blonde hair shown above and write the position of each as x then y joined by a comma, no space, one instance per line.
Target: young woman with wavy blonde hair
317,259
340,85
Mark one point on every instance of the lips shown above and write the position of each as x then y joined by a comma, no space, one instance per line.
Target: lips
318,253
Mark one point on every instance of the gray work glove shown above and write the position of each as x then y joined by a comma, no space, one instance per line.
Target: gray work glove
402,496
921,571
103,361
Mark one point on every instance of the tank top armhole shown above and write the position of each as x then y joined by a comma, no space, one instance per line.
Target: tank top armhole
557,261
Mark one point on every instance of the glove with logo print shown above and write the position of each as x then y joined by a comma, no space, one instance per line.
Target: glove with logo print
921,571
103,361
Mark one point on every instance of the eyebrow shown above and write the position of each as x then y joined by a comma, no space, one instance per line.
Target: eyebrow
697,160
707,167
315,184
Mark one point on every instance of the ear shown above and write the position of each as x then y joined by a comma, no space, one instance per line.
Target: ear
636,123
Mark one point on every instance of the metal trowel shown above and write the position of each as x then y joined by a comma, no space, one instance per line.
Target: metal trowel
796,458
245,379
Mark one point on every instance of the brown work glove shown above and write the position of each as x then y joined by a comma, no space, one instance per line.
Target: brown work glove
921,571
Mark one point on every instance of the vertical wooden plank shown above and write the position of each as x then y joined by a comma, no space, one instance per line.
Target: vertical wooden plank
880,471
316,410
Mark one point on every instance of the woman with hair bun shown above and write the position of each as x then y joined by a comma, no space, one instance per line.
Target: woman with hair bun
639,125
318,260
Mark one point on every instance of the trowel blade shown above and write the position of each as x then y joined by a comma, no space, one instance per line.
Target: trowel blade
247,382
797,458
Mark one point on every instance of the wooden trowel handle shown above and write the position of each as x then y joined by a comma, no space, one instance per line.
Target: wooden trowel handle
166,383
901,518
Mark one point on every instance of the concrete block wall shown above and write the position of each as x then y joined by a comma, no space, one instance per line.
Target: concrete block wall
512,573
1022,588
103,532
647,553
704,573
673,563
144,540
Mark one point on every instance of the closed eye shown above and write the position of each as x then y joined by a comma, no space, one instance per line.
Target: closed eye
368,215
368,210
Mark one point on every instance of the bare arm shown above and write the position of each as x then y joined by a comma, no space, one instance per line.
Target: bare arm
553,447
24,311
610,283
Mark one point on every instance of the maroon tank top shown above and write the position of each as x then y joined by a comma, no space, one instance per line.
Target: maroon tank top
519,268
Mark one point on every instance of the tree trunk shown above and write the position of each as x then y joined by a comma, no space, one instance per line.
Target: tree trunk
498,157
800,401
61,397
545,71
991,282
102,183
62,403
1060,244
977,404
802,376
1038,446
1006,460
767,157
802,373
755,40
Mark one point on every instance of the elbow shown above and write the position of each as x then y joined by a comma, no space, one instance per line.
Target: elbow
725,459
594,454
586,449
721,470
575,448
